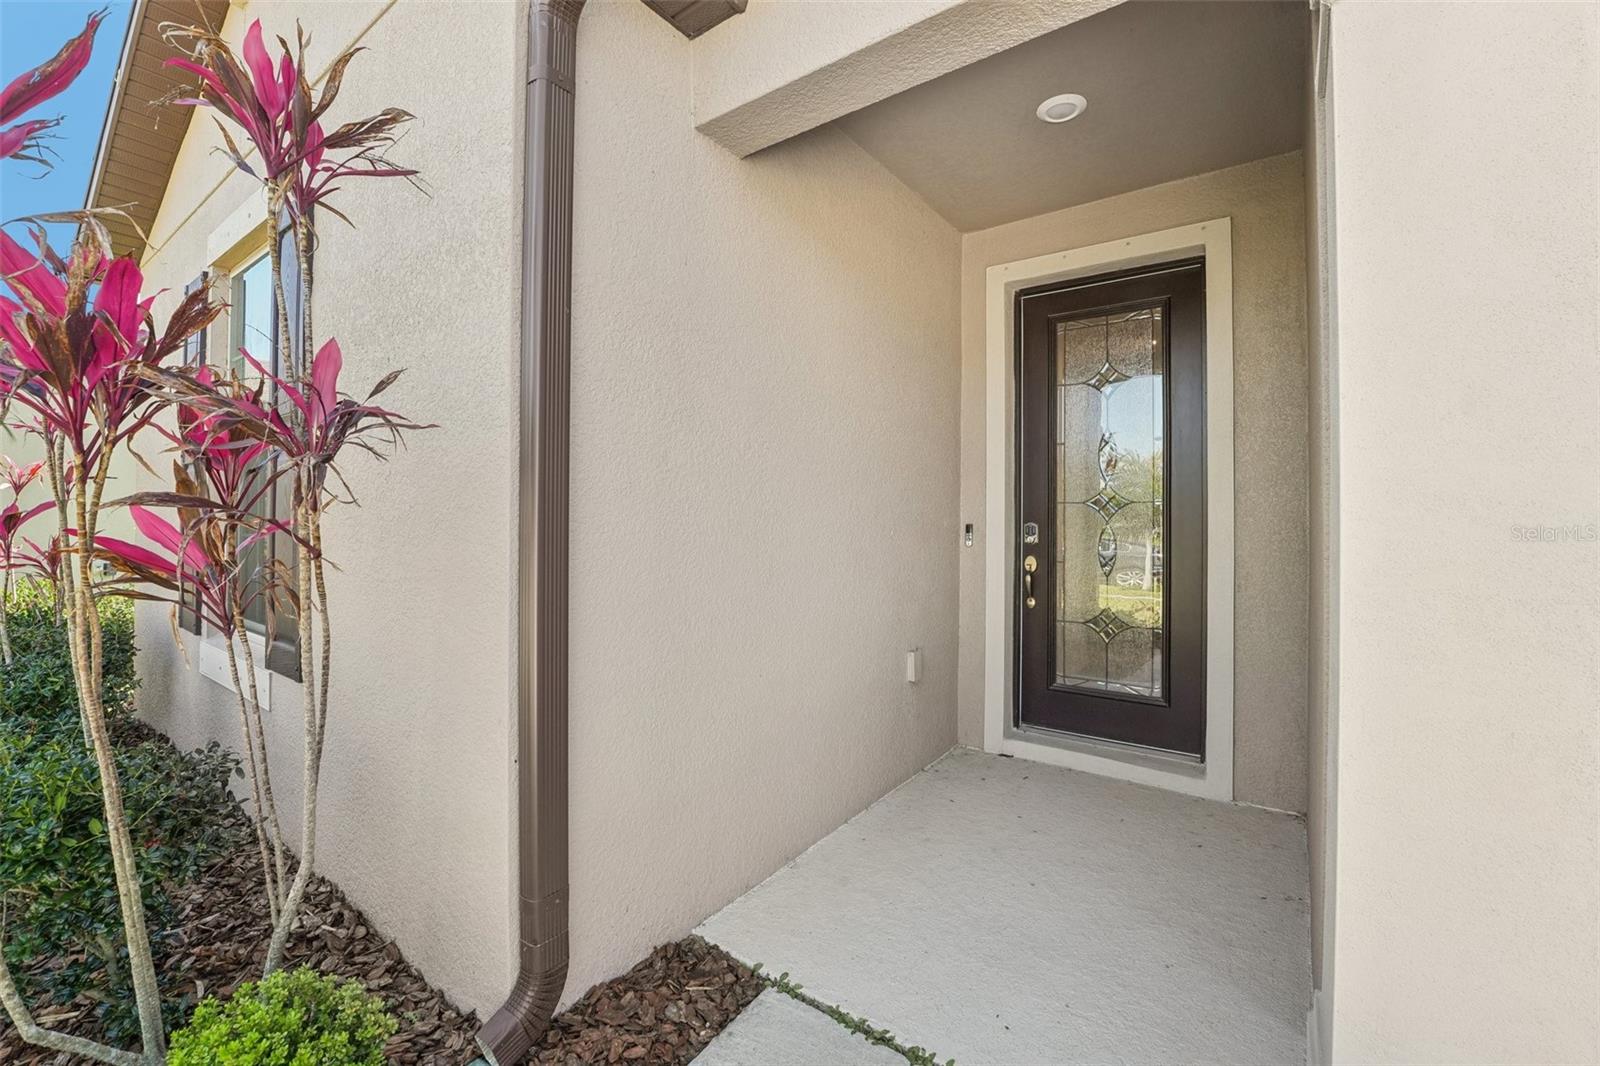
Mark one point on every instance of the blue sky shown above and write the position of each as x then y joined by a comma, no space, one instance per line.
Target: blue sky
30,32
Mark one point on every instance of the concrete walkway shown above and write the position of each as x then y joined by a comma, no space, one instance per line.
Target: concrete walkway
778,1031
999,911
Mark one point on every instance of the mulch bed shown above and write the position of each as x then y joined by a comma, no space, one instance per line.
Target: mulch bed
664,1010
221,941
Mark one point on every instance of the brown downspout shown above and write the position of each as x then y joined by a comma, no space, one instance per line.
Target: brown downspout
542,506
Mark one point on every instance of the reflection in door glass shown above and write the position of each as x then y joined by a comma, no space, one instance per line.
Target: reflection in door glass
1110,385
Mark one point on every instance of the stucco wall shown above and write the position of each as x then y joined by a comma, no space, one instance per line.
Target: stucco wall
1322,544
24,448
416,821
765,403
1265,199
765,409
1468,268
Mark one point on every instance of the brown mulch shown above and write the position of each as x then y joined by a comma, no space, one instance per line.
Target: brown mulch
664,1010
222,942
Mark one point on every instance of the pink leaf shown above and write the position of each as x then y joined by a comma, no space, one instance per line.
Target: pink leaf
17,138
30,279
255,54
33,87
118,300
166,534
325,378
135,554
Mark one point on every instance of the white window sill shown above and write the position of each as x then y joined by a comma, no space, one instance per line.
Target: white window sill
214,665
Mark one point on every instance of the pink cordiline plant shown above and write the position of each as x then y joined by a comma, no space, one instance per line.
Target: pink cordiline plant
220,481
75,338
301,162
202,572
12,518
297,161
306,432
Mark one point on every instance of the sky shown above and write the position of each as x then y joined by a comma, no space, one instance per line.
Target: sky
31,31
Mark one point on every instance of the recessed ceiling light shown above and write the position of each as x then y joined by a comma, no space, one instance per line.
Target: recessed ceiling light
1062,108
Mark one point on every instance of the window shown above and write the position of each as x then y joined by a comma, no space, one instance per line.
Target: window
194,354
253,325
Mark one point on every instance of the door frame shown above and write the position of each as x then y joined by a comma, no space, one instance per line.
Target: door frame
1212,776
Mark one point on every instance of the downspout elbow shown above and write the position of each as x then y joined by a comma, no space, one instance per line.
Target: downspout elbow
513,1032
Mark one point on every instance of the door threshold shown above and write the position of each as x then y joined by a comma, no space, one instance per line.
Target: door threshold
1173,771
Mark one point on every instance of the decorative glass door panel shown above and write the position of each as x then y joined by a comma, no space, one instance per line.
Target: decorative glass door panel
1110,432
1111,468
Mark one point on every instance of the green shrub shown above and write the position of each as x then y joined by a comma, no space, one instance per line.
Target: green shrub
38,686
57,883
292,1018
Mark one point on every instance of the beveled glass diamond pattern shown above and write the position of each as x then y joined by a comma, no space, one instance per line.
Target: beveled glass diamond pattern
1108,624
1106,503
1106,551
1105,377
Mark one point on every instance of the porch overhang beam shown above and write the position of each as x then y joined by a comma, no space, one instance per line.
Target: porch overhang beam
787,68
694,17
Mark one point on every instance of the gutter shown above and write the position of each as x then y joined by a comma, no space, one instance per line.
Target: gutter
119,86
542,509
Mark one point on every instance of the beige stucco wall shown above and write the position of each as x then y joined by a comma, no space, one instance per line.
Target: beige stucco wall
765,407
24,448
1322,543
765,402
1265,200
416,821
1468,346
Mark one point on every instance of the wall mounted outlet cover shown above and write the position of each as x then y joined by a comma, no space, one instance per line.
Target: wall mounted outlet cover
914,665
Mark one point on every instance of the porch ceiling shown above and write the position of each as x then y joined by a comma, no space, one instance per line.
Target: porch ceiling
1174,89
997,910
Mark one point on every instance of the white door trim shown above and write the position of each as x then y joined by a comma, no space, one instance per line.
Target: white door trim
1212,777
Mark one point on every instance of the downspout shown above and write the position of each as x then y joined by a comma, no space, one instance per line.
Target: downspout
542,507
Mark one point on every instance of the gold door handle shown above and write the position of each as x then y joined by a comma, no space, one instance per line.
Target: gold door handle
1029,565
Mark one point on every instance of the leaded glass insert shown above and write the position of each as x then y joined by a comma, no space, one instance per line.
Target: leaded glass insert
1109,482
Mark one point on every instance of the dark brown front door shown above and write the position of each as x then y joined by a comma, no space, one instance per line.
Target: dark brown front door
1111,475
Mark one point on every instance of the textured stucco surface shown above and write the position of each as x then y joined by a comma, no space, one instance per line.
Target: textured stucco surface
415,821
777,1030
994,910
765,408
1468,266
782,68
765,399
1265,200
1322,528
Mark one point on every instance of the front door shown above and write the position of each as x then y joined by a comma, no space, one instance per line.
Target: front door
1111,478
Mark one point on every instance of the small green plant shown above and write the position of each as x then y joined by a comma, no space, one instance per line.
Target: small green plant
917,1056
291,1018
58,886
38,685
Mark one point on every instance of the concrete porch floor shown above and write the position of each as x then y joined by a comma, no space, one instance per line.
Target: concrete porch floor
993,910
